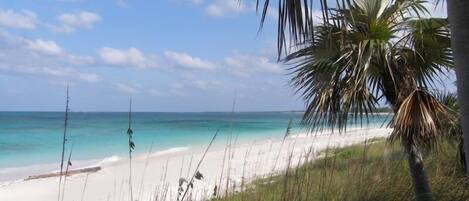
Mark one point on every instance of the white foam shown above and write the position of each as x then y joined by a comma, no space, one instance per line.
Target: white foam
109,160
170,151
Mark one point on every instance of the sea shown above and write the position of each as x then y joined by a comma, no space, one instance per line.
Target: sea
31,142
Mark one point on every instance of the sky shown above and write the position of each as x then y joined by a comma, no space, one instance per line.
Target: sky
168,55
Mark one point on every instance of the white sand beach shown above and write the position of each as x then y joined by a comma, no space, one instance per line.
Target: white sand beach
158,174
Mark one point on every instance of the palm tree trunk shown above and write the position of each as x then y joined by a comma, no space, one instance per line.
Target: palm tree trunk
462,155
417,172
459,20
406,86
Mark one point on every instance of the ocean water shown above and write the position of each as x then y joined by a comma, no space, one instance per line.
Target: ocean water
33,138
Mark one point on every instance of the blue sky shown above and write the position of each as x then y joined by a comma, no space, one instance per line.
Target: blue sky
169,55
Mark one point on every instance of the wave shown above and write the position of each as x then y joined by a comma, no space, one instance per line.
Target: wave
115,158
170,151
109,160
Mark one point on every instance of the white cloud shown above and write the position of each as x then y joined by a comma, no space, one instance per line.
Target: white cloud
81,19
54,73
214,10
62,29
134,58
45,47
51,48
80,60
69,22
70,73
89,77
227,7
244,65
126,88
193,82
39,58
188,61
24,19
133,89
131,57
205,84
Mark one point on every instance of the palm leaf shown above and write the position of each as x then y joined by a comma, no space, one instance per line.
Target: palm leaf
429,49
295,20
420,120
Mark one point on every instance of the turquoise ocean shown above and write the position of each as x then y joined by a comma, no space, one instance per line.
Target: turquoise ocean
32,141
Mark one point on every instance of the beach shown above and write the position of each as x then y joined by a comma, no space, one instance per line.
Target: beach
157,174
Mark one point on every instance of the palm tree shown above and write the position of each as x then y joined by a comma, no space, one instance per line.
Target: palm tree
364,52
296,23
459,18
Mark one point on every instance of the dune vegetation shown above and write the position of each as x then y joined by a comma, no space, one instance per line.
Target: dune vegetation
375,170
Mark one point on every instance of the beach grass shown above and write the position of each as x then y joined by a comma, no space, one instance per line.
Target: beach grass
374,170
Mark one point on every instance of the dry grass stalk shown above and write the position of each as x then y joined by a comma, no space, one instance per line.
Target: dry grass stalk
181,180
64,140
230,147
196,172
285,183
131,148
222,168
147,160
287,133
69,163
84,187
248,151
189,167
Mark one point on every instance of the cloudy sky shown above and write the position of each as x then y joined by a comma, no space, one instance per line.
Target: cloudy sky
169,55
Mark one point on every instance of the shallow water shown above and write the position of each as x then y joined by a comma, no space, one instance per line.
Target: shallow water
32,138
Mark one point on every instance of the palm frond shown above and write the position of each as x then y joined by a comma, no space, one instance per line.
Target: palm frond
428,49
450,100
295,20
332,78
453,127
358,55
420,120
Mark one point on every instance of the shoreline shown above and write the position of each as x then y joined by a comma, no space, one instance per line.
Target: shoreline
69,173
153,171
52,168
25,171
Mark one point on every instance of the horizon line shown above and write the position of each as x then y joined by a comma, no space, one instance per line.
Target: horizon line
96,111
